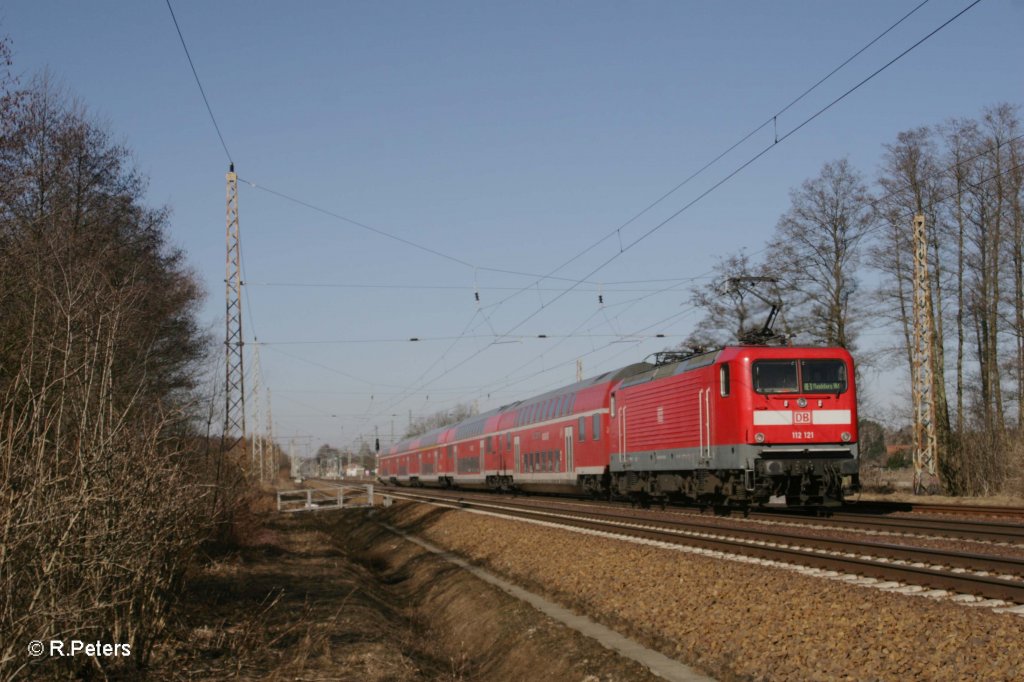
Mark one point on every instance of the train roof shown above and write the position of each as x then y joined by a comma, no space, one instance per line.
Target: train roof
670,368
474,426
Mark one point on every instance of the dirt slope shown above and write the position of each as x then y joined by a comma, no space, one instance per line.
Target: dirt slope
332,596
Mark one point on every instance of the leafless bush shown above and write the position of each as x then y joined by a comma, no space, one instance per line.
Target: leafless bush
982,462
105,492
104,503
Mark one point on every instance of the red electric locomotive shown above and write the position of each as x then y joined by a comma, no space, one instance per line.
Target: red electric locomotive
731,427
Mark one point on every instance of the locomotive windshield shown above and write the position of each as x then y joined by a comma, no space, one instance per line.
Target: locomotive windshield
775,376
823,376
805,376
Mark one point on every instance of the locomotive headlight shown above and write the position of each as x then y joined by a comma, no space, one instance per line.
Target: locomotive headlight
759,437
845,435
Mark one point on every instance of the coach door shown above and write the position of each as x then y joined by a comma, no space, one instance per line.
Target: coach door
515,455
568,449
622,436
704,425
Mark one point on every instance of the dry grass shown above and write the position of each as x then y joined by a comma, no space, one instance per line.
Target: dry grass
331,595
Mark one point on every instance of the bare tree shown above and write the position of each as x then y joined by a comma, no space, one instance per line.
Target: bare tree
100,476
817,247
441,418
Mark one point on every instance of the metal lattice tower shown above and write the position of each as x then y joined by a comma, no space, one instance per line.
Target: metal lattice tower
234,377
273,465
923,368
256,457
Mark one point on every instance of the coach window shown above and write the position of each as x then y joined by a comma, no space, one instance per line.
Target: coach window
775,376
583,428
596,432
723,380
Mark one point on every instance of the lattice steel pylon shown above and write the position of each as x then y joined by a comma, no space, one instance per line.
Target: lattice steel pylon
923,368
256,457
234,344
273,465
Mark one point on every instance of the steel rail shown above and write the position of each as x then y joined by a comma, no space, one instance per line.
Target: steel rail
992,531
765,547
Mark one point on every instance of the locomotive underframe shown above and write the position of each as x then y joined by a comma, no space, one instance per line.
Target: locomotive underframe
735,475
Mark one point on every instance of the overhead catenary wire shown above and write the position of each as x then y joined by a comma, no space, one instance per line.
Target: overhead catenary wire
626,247
505,384
773,119
617,230
466,263
202,91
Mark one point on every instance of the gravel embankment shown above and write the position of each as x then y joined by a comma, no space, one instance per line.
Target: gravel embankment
922,540
733,620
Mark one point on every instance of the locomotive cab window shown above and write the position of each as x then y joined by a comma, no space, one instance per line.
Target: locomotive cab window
775,376
823,376
723,380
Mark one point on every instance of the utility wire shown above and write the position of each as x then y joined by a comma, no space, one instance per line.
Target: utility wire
719,183
771,119
660,323
199,83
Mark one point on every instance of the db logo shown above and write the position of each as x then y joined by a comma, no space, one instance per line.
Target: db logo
801,417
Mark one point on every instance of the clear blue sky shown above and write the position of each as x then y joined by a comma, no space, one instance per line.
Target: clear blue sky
506,135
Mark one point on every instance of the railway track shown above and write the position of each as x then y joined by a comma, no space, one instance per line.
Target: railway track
983,575
966,529
884,507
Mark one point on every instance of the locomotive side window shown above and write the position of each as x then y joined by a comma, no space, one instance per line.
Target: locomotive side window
775,376
823,376
583,428
723,380
596,432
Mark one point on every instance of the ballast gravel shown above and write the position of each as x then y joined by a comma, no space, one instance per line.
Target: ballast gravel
732,620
